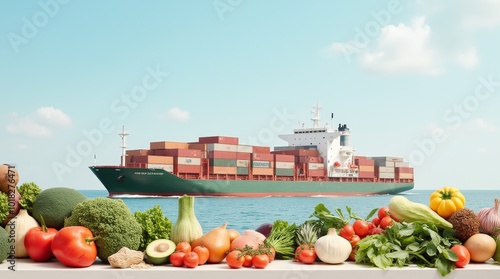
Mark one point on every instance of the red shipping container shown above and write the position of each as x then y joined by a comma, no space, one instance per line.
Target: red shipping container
222,170
187,169
149,159
404,170
261,149
284,158
218,139
195,153
243,156
299,152
316,173
262,171
263,156
309,159
359,157
364,162
366,174
136,152
221,155
199,146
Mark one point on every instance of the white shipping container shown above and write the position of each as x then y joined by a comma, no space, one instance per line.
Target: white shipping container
261,164
389,159
385,164
402,164
169,168
386,175
316,166
221,147
242,163
188,161
285,165
386,169
244,148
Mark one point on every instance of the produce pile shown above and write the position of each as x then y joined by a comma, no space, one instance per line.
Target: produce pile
62,224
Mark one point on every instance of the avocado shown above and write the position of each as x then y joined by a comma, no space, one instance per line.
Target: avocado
158,251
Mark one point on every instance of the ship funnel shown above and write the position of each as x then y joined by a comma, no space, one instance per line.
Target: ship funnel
345,135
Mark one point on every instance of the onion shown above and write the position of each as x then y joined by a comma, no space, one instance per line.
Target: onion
490,220
481,247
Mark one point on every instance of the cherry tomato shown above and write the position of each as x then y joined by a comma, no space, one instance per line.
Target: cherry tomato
347,232
376,221
38,241
371,226
376,230
307,256
74,246
202,252
354,240
260,261
248,261
183,246
386,222
235,259
360,228
191,260
382,212
177,258
463,255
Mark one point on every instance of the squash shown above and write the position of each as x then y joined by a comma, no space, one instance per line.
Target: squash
402,209
217,241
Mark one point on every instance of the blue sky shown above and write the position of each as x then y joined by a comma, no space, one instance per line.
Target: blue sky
416,79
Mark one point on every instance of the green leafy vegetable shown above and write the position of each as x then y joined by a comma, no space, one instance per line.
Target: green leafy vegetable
28,191
154,225
4,206
327,219
282,239
404,243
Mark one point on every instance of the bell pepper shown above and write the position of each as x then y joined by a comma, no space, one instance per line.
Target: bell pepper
446,201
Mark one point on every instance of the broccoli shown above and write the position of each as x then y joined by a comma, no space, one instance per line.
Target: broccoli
29,192
4,206
110,221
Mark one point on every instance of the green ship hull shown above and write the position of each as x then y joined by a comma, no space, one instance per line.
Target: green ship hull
122,181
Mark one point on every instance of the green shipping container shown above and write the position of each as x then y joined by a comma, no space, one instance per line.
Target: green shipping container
285,172
222,162
243,171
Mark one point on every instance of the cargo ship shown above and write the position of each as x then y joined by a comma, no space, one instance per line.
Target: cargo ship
317,161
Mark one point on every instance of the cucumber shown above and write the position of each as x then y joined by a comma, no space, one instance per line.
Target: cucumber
402,209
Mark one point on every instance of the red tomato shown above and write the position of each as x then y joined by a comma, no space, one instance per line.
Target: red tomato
371,226
386,222
376,221
74,246
260,261
361,228
38,241
248,261
382,212
375,231
300,248
347,232
177,258
307,256
191,260
183,246
235,259
202,252
354,240
463,255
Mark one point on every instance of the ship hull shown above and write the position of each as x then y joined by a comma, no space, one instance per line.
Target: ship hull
157,182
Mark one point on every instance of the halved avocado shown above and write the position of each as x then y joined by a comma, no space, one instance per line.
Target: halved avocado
158,251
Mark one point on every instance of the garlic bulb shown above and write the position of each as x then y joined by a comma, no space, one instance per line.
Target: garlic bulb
332,248
489,219
19,226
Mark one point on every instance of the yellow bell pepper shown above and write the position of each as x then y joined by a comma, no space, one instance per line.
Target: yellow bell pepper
446,201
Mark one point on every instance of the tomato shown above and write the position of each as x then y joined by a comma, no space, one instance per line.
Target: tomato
375,230
347,232
354,240
38,241
191,260
462,254
202,252
260,261
177,258
360,228
376,221
183,246
307,256
446,201
371,226
248,261
74,246
386,222
235,259
300,248
382,212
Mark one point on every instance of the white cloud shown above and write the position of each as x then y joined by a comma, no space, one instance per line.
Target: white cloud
468,59
176,114
54,116
39,124
478,14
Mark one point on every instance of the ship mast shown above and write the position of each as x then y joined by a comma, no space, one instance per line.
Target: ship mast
123,134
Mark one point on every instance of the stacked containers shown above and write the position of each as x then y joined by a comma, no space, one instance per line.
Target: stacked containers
151,161
243,157
384,166
262,163
366,167
404,173
222,158
185,160
284,165
308,159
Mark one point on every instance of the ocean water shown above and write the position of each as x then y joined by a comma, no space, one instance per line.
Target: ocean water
248,213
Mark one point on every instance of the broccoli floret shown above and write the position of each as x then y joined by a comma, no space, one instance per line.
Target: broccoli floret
110,221
29,192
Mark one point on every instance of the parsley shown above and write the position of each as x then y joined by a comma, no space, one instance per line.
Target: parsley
282,239
404,243
154,225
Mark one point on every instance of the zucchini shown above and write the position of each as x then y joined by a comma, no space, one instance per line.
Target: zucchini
403,209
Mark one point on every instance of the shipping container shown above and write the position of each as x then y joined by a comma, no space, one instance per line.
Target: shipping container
195,153
309,159
360,157
366,174
187,161
219,139
243,163
366,168
364,162
244,149
284,158
138,152
222,170
404,176
150,159
403,170
261,149
262,171
284,172
187,169
221,147
316,166
316,173
379,169
222,162
284,165
221,155
386,175
169,168
242,171
261,164
199,146
168,145
401,164
389,164
263,156
387,159
299,152
243,156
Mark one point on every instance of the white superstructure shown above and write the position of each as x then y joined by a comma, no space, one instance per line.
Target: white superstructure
333,145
